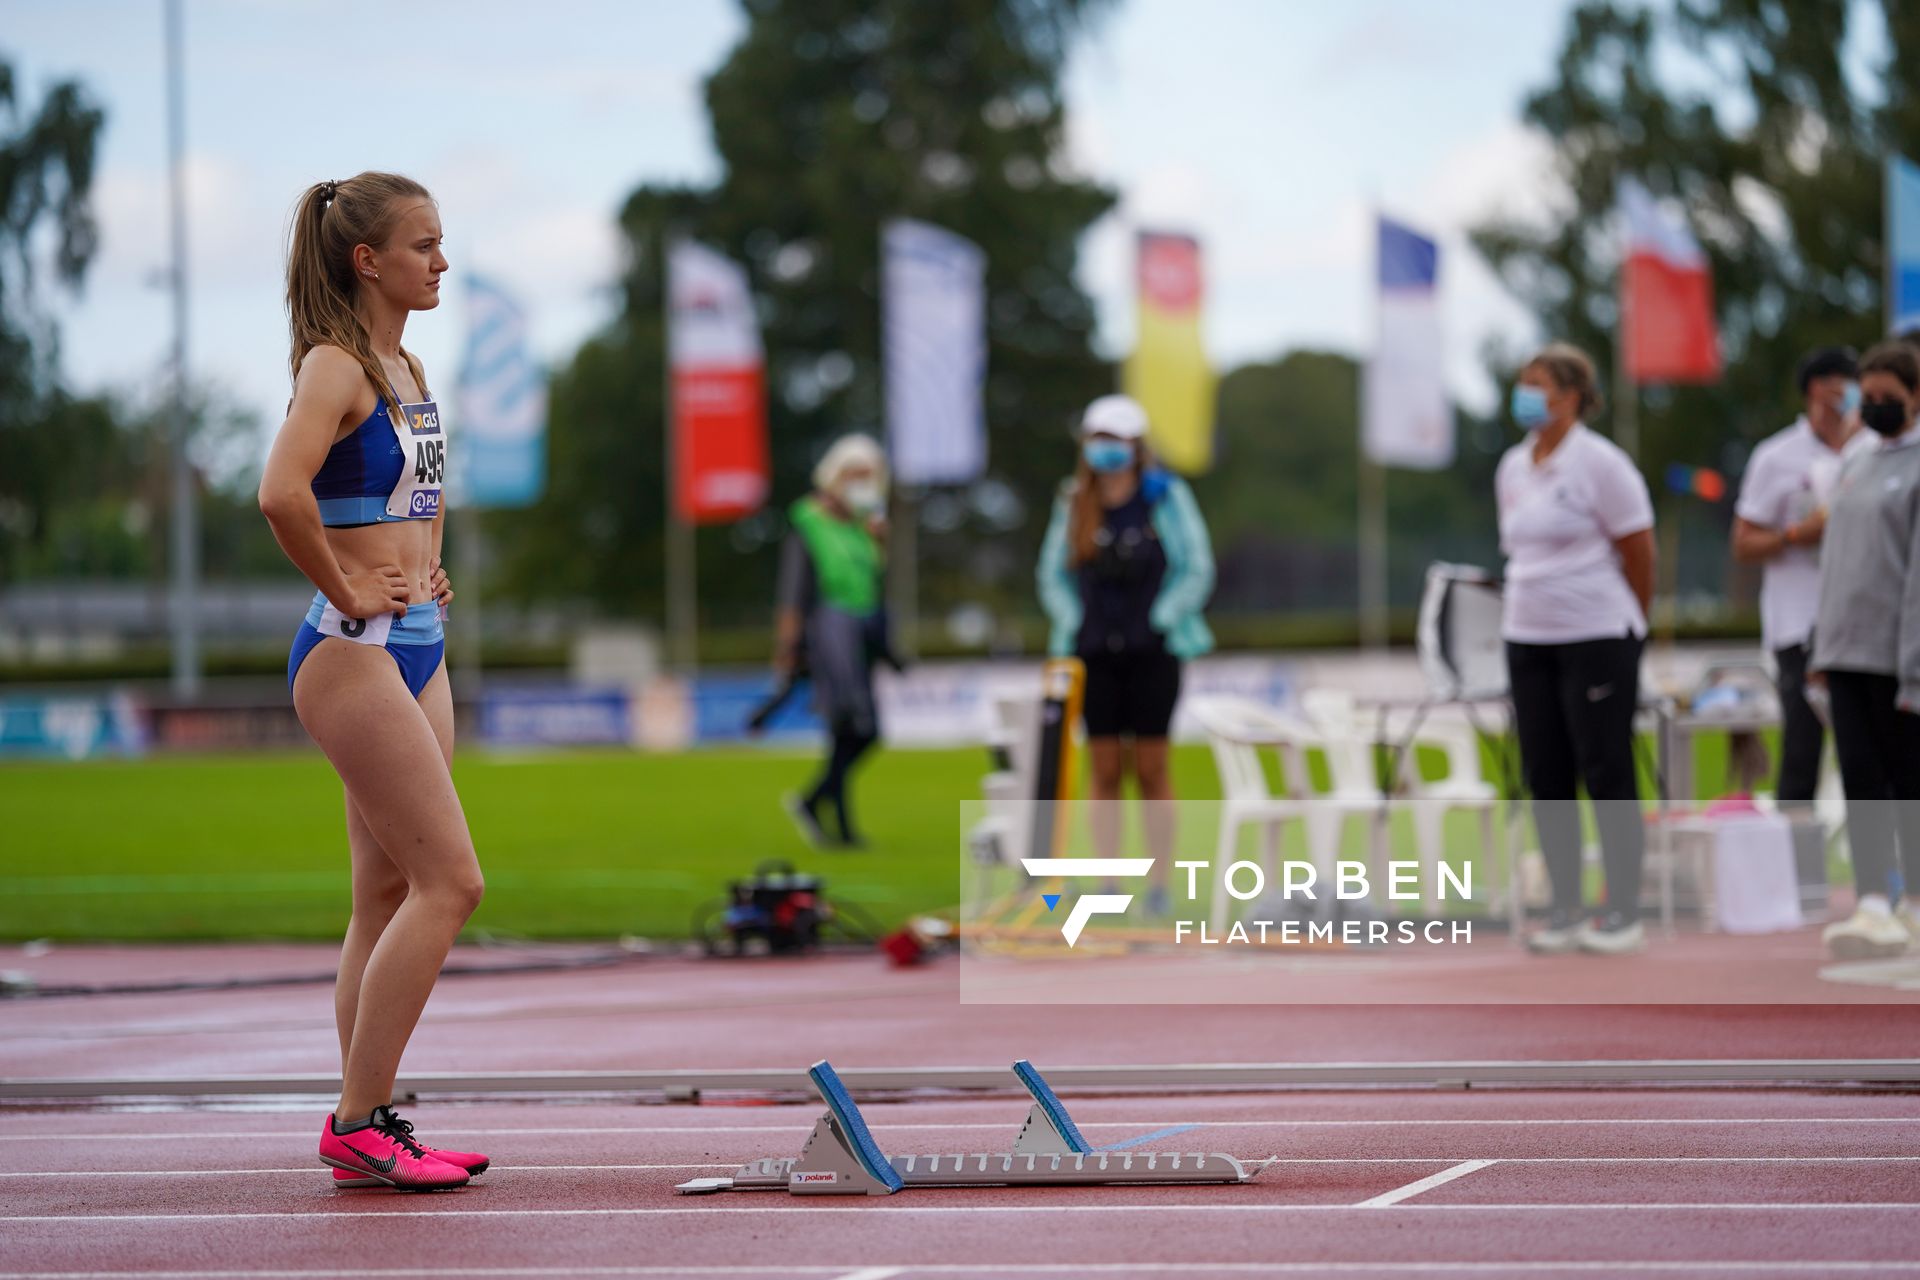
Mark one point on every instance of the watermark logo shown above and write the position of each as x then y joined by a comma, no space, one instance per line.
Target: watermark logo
1314,906
1089,905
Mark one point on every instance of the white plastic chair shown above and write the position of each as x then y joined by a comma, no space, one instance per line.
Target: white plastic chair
1463,789
1001,835
1236,731
1355,792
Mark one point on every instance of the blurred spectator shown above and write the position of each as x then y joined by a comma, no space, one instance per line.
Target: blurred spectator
1778,523
830,624
1125,569
1866,646
1576,523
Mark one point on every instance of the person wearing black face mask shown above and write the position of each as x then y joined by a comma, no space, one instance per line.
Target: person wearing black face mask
1866,646
1778,524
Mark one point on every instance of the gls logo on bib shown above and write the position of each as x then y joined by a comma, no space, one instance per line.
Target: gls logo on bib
423,443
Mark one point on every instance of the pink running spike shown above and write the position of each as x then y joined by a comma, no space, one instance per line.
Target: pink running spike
385,1153
472,1161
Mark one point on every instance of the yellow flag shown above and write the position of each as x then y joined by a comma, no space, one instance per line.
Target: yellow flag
1168,372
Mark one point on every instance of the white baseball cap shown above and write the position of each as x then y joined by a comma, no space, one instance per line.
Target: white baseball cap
1119,416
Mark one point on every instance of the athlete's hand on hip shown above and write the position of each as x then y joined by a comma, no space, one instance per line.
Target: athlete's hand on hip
442,593
382,589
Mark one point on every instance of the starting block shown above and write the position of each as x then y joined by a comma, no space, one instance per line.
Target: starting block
841,1158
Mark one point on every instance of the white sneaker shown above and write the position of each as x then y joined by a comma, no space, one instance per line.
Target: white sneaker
1908,915
1622,938
1559,935
1867,935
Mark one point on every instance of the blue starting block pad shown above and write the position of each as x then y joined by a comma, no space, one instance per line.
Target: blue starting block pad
841,1136
841,1158
1049,1128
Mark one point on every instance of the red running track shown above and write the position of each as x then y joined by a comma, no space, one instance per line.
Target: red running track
1653,1182
675,1013
1647,1182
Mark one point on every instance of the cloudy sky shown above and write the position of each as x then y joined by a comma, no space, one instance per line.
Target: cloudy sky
1271,129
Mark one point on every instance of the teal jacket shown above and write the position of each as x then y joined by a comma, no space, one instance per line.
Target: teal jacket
1183,592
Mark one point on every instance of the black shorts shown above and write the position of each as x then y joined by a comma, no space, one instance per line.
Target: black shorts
1130,693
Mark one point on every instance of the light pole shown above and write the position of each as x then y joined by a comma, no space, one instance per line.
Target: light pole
184,560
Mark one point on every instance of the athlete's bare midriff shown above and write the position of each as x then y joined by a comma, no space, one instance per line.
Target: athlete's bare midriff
407,543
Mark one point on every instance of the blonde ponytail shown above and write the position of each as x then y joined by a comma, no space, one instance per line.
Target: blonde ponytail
329,220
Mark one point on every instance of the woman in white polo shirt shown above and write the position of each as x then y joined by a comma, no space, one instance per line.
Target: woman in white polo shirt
1576,525
1778,523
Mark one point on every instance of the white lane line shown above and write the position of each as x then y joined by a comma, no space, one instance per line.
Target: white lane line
1417,1269
412,1273
729,1164
322,1215
887,1127
1427,1183
322,1169
875,1273
1769,1266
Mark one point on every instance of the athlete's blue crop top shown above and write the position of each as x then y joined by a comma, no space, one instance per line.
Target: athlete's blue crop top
360,472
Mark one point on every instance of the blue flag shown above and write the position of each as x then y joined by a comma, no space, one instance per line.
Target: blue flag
1903,245
500,452
1406,418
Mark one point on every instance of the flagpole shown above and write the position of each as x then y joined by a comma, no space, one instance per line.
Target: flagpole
1371,491
903,559
1373,553
903,543
184,560
466,641
682,627
472,541
1626,403
1626,396
682,635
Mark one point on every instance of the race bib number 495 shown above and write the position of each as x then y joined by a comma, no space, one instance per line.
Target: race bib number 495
423,442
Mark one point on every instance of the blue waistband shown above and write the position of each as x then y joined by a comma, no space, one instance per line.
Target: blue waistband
421,625
339,511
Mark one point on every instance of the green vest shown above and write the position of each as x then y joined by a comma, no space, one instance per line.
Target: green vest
846,560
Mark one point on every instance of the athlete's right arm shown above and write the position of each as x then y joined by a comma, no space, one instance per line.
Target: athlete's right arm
327,390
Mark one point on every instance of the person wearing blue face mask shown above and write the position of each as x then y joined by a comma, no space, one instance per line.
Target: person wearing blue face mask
1779,523
1576,524
1125,569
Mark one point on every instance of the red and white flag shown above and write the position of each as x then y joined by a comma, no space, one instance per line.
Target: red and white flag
719,387
1666,296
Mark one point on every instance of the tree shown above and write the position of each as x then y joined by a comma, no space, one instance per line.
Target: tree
1281,501
829,117
1746,113
46,178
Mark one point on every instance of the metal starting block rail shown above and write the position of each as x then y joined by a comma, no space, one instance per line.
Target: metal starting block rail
841,1158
